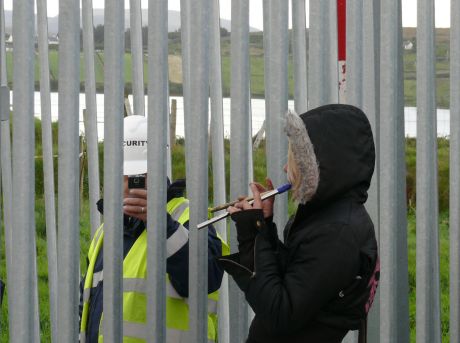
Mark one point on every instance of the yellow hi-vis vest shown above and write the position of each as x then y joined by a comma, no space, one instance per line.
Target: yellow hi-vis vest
135,285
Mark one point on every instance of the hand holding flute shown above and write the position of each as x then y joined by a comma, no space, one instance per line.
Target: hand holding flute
247,203
260,188
257,203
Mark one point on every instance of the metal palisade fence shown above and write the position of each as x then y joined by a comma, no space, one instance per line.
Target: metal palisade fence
374,82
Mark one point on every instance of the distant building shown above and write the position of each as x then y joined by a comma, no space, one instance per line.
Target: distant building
9,42
53,40
408,45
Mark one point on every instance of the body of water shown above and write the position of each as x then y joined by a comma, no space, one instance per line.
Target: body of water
258,115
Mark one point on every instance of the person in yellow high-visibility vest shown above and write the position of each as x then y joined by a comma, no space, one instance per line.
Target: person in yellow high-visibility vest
135,256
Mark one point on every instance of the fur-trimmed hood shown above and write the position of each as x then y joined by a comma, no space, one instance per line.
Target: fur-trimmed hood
343,145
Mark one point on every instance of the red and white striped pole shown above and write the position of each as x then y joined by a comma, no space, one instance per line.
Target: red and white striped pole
342,47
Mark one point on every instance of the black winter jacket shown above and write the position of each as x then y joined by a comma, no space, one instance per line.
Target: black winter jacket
308,289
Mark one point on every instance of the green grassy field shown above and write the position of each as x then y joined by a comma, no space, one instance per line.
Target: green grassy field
257,68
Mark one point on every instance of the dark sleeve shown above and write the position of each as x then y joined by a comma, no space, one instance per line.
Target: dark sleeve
80,305
178,263
2,291
287,298
82,287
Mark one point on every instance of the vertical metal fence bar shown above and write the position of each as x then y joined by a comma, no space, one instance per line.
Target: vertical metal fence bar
267,8
276,102
361,92
168,126
427,292
7,182
370,106
218,155
355,53
267,66
322,65
299,55
332,96
454,207
137,53
341,15
91,114
196,138
68,164
5,154
370,90
113,166
48,164
36,306
3,68
394,314
157,138
317,52
22,326
403,275
250,157
185,47
251,313
239,148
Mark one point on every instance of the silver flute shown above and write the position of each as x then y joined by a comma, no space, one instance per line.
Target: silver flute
224,215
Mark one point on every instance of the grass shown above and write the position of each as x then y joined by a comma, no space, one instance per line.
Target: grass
444,273
256,58
42,269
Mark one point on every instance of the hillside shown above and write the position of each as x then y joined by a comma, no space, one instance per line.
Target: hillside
257,66
98,19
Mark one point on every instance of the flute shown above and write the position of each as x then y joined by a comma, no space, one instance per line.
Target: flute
263,196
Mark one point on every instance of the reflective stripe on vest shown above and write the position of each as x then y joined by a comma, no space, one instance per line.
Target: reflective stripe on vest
176,241
135,282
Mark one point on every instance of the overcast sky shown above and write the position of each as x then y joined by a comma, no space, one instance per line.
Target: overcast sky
442,10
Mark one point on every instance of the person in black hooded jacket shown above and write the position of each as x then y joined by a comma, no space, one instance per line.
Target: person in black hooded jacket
313,287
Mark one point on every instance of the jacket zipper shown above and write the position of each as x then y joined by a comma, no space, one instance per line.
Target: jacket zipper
255,245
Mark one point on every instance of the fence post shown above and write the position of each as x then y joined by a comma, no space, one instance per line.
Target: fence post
172,125
362,91
23,313
276,98
371,106
90,119
68,214
454,206
218,155
394,306
196,149
48,163
137,53
157,151
323,77
5,155
354,53
299,55
351,86
168,138
113,167
428,289
239,148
